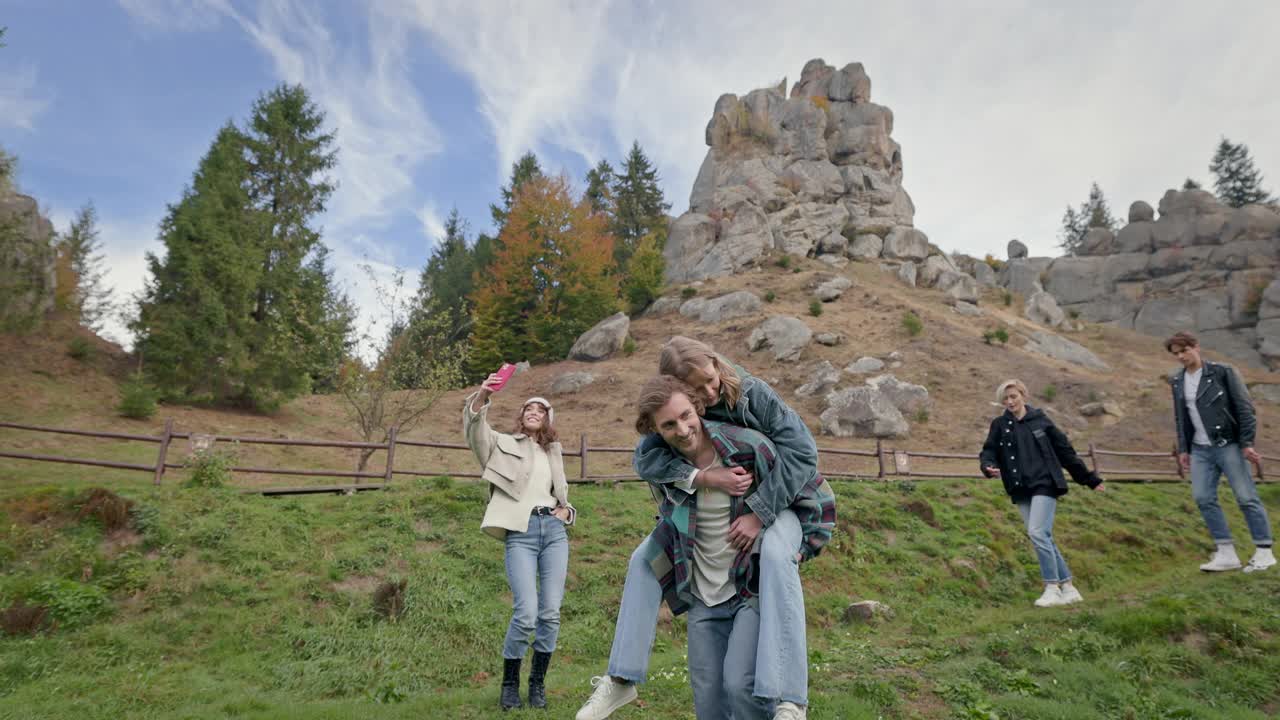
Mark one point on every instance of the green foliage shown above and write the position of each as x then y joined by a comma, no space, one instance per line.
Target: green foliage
688,292
922,415
912,323
24,281
600,184
90,300
770,296
999,334
629,346
440,315
137,398
815,307
551,281
210,468
70,604
1076,223
522,171
1050,392
993,262
242,309
79,348
784,262
1006,298
1235,179
640,208
642,282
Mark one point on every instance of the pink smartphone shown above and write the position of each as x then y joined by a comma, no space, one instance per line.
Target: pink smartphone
504,374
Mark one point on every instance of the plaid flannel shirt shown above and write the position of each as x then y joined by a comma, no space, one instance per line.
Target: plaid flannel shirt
677,526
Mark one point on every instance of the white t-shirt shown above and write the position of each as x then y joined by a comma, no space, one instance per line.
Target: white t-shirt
1191,385
538,493
712,554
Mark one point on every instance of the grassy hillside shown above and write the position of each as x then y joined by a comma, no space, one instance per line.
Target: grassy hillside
213,604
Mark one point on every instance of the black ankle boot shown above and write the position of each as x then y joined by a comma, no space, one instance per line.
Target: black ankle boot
537,674
510,684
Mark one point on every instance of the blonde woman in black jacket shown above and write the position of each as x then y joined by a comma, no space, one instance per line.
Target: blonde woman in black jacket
1028,453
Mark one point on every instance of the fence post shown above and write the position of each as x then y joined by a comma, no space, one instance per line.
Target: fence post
582,466
880,459
1093,458
1177,463
164,449
391,453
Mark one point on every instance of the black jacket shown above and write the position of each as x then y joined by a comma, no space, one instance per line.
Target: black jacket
1052,452
1223,403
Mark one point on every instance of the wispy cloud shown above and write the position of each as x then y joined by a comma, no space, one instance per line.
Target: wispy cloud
432,225
22,100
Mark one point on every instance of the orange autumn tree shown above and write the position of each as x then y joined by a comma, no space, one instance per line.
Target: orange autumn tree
550,281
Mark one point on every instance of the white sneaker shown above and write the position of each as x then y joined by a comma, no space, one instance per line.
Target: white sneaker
1262,559
1052,597
790,711
1070,594
607,697
1224,558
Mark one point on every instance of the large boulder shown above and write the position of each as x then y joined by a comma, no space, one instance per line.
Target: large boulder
784,335
1023,274
865,247
27,260
1041,308
957,286
1017,249
832,289
864,365
1060,348
603,340
933,267
905,243
571,382
1141,211
907,273
907,397
862,412
822,377
724,307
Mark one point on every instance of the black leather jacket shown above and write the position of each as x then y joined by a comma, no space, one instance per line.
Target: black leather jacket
1223,403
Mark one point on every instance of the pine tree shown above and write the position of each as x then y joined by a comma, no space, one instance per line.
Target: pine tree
1093,213
600,182
640,208
522,171
439,317
1190,184
1236,180
90,300
550,281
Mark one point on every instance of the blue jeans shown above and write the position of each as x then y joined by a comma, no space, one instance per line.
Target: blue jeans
537,562
1037,514
722,651
782,665
1208,464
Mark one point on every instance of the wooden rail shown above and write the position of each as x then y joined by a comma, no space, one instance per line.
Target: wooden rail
891,463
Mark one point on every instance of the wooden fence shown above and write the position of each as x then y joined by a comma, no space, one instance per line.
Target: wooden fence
890,463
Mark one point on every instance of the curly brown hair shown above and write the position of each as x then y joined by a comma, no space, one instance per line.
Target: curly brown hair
655,393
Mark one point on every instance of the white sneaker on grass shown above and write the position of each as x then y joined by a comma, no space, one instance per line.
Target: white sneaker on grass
1070,594
1052,597
1223,559
790,711
609,695
1262,559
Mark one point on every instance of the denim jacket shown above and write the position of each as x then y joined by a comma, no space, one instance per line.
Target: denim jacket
759,408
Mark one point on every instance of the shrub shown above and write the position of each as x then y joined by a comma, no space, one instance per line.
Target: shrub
1050,392
815,307
80,349
629,346
70,603
137,398
784,262
922,415
988,336
688,292
1008,298
993,262
912,323
795,270
770,296
643,282
210,468
1002,335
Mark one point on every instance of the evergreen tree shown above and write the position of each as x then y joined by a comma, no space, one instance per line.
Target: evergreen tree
522,171
439,317
1190,184
640,208
600,181
1093,213
550,281
1236,180
90,299
643,280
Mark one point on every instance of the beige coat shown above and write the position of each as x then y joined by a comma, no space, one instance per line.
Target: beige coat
508,462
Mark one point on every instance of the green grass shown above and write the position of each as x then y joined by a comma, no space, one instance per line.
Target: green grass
248,607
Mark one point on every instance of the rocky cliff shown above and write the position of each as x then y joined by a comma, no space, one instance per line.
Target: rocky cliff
26,261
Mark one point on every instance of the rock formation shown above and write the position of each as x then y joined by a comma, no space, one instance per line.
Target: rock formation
27,279
1201,266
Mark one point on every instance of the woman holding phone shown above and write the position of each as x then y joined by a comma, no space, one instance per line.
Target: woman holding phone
528,510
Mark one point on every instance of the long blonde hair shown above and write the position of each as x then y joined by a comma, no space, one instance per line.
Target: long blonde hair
682,355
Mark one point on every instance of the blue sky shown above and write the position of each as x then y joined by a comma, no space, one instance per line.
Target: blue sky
1006,111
